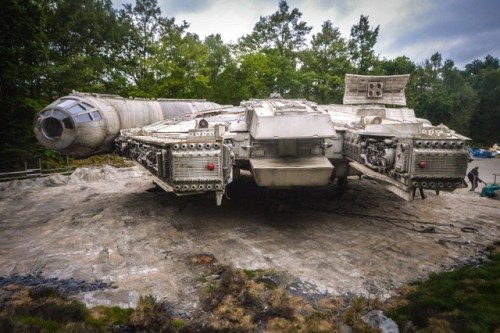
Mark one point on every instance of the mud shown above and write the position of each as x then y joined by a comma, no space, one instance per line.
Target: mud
113,226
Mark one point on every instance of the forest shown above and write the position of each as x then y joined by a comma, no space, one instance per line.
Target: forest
50,47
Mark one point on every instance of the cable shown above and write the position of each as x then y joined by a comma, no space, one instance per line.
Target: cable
393,221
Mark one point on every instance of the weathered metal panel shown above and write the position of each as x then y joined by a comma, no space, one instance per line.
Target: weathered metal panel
191,166
444,163
77,114
291,126
291,171
365,89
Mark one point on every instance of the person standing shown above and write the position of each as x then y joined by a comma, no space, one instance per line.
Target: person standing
473,176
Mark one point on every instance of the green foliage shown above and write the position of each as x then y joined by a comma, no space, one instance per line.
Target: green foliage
484,78
443,94
33,323
325,65
252,273
282,31
45,310
178,324
52,47
241,301
181,66
257,75
103,316
361,42
81,46
466,300
396,66
23,45
279,37
149,315
219,64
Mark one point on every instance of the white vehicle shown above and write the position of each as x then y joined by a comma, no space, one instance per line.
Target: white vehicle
286,143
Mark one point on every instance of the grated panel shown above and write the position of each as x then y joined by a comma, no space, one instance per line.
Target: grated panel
191,167
439,164
166,163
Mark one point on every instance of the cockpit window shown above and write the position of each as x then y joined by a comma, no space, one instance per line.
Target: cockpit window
96,115
83,118
66,102
81,112
58,115
76,109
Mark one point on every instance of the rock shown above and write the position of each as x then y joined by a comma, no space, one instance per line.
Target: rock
55,180
377,319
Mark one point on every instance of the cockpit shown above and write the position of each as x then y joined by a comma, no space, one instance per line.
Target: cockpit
65,115
83,124
65,124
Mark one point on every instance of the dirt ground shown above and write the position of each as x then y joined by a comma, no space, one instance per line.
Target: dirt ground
112,225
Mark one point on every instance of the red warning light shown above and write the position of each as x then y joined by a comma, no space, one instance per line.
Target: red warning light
422,164
210,166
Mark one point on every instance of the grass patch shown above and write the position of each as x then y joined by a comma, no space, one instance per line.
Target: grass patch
253,300
46,310
178,324
149,315
102,159
30,322
252,273
465,300
104,316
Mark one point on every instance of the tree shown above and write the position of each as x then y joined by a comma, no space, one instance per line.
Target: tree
463,97
484,76
219,59
280,36
396,66
180,66
432,99
361,42
325,65
442,94
143,26
24,52
229,86
257,75
82,40
281,31
56,46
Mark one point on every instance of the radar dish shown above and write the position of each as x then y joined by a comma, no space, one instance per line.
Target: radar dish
366,89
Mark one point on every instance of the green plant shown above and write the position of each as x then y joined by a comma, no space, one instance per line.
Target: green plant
467,299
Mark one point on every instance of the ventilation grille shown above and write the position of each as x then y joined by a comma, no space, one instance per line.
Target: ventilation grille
440,163
192,167
166,158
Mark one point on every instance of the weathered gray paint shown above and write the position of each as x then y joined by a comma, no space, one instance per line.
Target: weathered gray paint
116,113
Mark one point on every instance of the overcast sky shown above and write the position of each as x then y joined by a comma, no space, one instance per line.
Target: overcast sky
461,30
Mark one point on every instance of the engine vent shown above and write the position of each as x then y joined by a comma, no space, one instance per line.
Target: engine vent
166,158
196,167
438,163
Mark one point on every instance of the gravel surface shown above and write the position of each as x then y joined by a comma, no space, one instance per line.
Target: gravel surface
110,229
